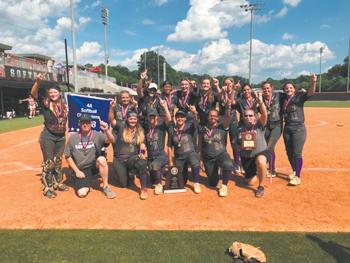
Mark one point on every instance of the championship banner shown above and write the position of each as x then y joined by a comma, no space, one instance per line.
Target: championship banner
97,107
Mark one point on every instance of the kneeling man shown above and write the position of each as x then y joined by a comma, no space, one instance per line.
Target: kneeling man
83,154
254,153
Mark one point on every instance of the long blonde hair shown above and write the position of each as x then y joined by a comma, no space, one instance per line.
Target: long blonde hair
139,137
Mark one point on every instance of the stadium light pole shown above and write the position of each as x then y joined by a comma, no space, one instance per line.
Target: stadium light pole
164,71
158,67
105,20
320,85
347,84
145,60
251,8
75,68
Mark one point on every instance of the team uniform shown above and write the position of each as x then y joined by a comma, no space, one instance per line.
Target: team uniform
294,133
233,129
184,100
146,104
184,152
85,150
274,124
243,104
171,101
204,105
126,159
157,158
121,111
52,141
213,142
248,156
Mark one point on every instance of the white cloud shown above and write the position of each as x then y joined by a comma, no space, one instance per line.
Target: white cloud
304,72
148,21
129,32
89,51
292,3
209,19
96,3
325,26
160,2
287,36
282,12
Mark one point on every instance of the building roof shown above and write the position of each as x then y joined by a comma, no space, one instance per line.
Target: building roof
5,47
36,56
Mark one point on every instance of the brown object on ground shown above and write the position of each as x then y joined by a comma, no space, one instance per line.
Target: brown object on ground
320,203
247,252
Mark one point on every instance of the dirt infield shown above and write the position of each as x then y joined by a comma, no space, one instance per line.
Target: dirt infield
320,203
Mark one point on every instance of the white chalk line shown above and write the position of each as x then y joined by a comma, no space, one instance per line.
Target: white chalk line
320,124
22,168
320,169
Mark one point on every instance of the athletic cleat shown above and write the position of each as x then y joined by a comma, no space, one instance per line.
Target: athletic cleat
158,189
223,191
143,194
197,188
50,194
61,187
295,181
109,193
291,176
259,192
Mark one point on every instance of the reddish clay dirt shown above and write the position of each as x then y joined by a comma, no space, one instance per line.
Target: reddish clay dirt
320,203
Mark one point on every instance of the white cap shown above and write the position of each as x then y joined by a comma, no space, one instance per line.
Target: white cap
153,86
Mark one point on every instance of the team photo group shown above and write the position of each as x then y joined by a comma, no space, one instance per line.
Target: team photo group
187,128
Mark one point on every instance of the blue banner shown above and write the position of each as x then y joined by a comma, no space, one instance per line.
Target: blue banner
94,106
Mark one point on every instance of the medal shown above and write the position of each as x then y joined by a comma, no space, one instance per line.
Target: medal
179,136
168,101
204,100
250,103
124,112
85,143
286,103
209,141
184,100
179,145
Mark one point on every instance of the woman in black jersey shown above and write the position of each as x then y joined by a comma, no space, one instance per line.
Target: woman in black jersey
52,138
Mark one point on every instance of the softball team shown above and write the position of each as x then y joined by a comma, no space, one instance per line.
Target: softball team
196,122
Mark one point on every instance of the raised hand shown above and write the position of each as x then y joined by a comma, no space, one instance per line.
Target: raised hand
216,82
40,76
103,125
112,103
144,75
313,78
163,103
192,108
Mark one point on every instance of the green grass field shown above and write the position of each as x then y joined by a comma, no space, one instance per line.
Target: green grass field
20,123
332,104
163,246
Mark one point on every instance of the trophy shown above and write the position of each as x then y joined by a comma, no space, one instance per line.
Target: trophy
174,181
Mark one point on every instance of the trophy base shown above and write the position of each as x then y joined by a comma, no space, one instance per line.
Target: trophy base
173,191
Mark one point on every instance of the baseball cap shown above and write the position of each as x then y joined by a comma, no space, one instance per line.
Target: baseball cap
131,114
152,112
153,86
181,113
85,118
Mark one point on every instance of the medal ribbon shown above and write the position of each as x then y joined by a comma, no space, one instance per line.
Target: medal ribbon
151,131
250,103
85,144
204,100
287,102
179,134
210,131
168,101
58,110
124,112
184,100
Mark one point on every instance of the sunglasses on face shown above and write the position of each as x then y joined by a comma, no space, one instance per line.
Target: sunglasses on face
250,115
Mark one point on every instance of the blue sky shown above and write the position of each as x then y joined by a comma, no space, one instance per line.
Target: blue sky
199,36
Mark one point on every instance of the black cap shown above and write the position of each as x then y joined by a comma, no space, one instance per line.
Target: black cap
56,87
180,112
152,112
85,118
131,114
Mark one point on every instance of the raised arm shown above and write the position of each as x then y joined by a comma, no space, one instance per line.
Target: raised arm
111,118
195,113
311,91
36,85
263,111
107,131
164,105
217,85
141,84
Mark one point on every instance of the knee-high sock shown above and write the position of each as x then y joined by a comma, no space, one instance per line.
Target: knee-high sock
272,166
298,165
196,174
156,176
143,180
226,177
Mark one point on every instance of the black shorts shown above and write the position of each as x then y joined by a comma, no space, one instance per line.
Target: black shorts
249,164
90,174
